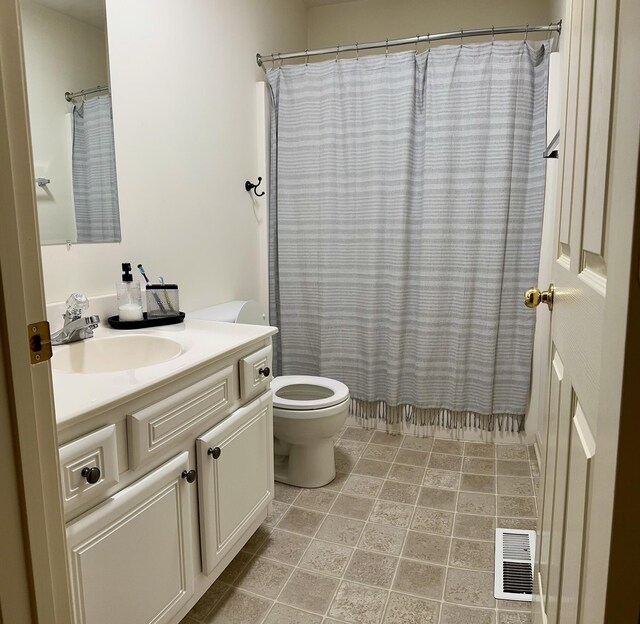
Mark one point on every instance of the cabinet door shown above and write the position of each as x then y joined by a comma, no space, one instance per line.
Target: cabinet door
235,481
131,558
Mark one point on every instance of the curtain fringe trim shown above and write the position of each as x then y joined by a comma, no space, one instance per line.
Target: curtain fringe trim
423,416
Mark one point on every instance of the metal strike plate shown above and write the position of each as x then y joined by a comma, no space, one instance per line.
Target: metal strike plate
39,342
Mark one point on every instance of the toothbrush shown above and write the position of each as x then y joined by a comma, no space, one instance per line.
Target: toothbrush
166,294
155,296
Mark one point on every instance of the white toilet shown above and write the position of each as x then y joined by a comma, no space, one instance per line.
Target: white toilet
307,411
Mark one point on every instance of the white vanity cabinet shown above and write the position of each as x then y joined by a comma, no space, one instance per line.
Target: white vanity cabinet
131,557
163,489
235,477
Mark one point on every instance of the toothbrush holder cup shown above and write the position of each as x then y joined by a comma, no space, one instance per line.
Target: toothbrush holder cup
162,300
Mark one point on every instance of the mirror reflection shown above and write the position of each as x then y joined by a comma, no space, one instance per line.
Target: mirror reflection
67,73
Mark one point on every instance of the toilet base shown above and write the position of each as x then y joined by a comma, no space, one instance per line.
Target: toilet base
307,466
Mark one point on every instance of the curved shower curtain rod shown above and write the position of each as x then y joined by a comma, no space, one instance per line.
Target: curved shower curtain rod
458,34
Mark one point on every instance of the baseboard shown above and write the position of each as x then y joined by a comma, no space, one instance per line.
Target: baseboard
537,447
537,606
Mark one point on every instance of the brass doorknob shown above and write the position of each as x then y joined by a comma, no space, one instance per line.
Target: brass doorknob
533,297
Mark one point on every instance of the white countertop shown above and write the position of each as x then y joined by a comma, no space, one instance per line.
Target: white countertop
79,396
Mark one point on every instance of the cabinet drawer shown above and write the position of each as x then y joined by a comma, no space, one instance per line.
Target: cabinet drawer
94,451
255,372
155,427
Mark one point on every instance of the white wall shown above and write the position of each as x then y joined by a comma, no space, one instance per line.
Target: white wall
183,79
377,20
61,54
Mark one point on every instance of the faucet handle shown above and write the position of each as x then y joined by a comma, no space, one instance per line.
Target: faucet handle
77,303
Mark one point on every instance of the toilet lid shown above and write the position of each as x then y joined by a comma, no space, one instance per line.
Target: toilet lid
301,392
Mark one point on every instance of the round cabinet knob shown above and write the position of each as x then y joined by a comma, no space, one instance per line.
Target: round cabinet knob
215,452
266,371
189,475
92,475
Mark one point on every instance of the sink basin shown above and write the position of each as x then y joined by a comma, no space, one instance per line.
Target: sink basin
114,353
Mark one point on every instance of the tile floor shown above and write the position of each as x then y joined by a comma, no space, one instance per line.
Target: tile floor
403,535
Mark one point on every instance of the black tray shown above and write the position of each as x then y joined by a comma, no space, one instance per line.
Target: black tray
116,323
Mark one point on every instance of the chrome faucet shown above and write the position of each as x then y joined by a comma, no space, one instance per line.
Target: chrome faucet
76,327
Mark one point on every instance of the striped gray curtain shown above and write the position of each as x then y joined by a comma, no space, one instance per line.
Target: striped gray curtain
95,187
405,223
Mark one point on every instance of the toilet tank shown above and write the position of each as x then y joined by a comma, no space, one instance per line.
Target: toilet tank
247,312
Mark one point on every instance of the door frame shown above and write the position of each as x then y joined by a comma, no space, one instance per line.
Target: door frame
31,500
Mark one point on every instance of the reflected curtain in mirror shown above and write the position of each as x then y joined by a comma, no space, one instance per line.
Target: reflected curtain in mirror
95,187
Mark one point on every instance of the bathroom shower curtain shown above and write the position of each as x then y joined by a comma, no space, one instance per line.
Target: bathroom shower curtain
405,224
95,187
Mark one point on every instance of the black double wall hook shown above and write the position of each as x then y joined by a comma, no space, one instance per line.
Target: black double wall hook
248,186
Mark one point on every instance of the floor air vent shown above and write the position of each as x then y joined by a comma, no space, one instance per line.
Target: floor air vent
515,550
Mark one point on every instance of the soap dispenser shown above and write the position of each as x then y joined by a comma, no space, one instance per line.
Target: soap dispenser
129,296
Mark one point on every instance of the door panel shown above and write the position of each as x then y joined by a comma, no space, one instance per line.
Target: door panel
131,557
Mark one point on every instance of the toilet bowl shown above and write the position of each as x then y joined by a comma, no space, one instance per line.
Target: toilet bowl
307,411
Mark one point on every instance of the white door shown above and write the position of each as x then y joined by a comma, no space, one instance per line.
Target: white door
591,273
130,559
235,477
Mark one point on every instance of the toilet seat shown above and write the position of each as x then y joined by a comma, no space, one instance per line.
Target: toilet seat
306,392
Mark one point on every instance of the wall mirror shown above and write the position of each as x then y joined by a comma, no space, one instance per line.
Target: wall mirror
67,69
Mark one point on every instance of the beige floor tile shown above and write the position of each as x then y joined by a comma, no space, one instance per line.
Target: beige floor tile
479,465
352,506
286,493
327,558
357,433
535,469
406,474
345,531
309,591
232,571
517,506
284,547
417,444
479,449
361,485
420,579
509,468
382,538
188,620
210,599
258,538
444,479
432,521
472,554
476,503
283,614
399,492
513,605
450,447
276,511
475,527
437,499
411,457
318,500
427,547
469,587
371,468
456,614
301,521
358,604
512,451
524,524
344,461
513,617
445,462
388,439
379,452
351,447
403,609
515,486
371,568
338,482
478,483
263,577
238,607
391,513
